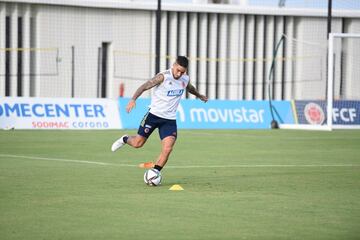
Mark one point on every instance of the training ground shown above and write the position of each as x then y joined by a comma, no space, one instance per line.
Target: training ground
277,184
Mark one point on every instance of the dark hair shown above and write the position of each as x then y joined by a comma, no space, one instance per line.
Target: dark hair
182,61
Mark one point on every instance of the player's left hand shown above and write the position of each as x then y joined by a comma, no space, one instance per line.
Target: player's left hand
203,98
131,104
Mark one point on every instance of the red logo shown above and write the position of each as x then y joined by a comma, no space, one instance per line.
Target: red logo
314,114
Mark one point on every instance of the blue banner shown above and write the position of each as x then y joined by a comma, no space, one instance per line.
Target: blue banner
215,114
314,112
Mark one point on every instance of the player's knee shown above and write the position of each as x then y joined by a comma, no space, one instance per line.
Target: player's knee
138,143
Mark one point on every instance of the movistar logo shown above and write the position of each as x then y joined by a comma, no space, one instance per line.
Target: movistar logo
177,92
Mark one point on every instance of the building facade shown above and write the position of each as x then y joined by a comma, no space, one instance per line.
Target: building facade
107,48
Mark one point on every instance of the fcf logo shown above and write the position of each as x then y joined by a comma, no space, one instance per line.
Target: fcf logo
314,114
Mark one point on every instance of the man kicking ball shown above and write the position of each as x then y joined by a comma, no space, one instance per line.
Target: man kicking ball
169,87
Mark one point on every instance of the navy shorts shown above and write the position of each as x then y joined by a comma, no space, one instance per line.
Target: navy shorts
150,122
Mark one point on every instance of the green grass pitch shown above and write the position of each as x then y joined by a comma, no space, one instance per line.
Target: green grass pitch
277,184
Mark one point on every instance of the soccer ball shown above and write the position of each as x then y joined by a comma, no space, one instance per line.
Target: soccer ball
152,177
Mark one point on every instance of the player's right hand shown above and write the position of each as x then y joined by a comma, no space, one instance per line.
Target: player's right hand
131,104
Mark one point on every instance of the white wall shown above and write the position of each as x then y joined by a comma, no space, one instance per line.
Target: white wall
230,52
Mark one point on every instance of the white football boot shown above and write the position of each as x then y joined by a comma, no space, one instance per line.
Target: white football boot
118,143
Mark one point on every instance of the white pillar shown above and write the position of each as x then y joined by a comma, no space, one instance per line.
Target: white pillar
163,41
270,28
109,73
172,38
288,81
14,49
223,87
241,63
213,34
279,23
182,37
193,38
202,51
152,45
182,34
259,62
2,48
37,60
351,61
234,58
249,64
26,52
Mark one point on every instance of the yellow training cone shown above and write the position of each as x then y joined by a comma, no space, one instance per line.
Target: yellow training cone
176,187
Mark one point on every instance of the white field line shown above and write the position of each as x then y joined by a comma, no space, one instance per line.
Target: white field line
184,167
268,166
66,160
245,135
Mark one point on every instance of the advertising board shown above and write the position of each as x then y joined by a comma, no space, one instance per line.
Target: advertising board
58,113
215,114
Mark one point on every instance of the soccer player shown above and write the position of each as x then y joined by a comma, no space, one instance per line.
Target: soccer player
169,87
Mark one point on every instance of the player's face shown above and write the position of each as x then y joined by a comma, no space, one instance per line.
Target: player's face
178,70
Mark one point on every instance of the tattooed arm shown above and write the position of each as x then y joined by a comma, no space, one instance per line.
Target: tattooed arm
191,89
158,79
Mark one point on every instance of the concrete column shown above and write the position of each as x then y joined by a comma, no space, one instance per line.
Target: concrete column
182,34
289,51
35,65
109,72
2,48
223,87
163,41
279,29
212,51
26,52
173,37
259,55
233,55
249,54
241,63
270,28
203,40
14,50
193,46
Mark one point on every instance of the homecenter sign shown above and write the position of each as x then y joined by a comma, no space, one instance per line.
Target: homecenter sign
215,114
58,113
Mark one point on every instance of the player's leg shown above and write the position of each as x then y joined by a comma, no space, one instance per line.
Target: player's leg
134,141
167,145
146,127
168,135
119,143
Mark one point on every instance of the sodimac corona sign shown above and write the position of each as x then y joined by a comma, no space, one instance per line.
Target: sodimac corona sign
59,113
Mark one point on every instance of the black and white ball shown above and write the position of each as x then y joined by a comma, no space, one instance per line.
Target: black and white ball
152,177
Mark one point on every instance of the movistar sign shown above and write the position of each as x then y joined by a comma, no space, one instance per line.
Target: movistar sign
215,114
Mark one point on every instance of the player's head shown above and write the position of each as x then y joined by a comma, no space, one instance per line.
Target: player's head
180,66
182,61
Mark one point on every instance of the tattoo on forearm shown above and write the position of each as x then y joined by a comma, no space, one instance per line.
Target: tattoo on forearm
191,89
159,78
